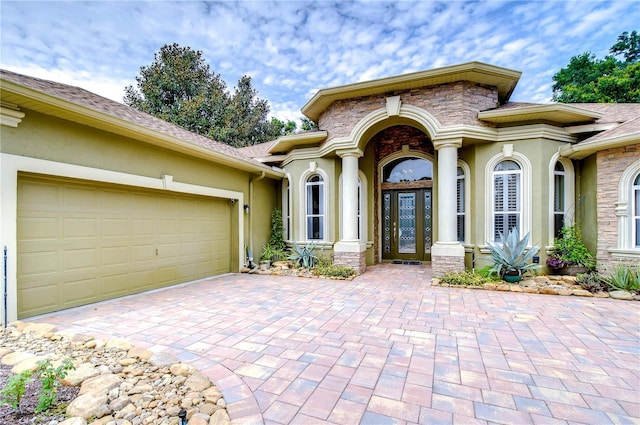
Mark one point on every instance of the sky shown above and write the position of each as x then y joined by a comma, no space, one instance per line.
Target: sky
291,49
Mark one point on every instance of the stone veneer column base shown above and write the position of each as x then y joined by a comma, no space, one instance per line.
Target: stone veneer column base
355,260
350,254
446,257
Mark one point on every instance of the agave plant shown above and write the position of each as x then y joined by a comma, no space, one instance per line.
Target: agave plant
511,257
303,256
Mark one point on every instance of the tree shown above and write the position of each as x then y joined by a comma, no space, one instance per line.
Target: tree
180,88
608,80
308,125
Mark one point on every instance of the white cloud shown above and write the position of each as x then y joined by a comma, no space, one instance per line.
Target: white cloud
292,48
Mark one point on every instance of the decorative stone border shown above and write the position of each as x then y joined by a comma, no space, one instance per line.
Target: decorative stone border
550,285
118,382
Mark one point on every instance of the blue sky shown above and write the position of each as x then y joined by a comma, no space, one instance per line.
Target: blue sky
293,48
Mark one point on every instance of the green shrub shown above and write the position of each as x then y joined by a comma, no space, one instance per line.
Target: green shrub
570,250
325,268
465,278
13,391
49,378
488,273
623,278
591,282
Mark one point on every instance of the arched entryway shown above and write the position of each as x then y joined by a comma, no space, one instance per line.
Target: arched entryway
404,199
407,212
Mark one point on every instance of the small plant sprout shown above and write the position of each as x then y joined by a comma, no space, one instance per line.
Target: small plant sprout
12,393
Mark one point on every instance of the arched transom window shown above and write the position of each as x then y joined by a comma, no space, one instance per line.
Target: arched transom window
408,170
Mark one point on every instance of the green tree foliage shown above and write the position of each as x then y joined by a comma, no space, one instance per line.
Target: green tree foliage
179,87
589,79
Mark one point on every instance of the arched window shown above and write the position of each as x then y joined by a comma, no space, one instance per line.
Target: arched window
408,170
636,212
315,207
460,195
507,198
559,207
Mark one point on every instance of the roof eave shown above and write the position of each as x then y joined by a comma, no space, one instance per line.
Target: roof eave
107,122
503,79
584,149
286,143
554,112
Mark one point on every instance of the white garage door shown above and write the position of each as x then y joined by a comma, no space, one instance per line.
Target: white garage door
81,242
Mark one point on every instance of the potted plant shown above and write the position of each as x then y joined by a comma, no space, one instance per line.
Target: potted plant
571,256
511,258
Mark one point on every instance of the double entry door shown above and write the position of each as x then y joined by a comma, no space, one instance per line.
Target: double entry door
407,224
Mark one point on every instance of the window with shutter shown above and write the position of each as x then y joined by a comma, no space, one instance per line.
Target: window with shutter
460,195
558,199
507,198
636,212
315,207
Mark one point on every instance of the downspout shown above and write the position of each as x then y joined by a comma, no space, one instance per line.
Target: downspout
5,288
251,205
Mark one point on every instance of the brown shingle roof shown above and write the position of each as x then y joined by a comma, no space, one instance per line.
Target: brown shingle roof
98,103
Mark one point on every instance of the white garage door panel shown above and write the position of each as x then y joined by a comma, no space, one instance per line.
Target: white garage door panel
80,242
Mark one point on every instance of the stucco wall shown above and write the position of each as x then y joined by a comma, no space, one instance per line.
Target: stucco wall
49,138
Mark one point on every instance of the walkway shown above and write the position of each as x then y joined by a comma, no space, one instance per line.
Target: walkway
387,348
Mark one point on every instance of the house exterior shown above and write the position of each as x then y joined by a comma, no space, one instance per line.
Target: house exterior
100,200
425,167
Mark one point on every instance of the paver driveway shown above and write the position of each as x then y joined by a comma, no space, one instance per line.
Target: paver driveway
388,348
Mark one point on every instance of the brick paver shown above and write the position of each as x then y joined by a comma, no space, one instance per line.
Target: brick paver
387,348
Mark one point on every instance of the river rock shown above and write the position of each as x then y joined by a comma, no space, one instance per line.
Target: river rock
581,293
140,353
74,421
197,382
89,406
182,369
39,329
163,359
100,384
119,344
199,419
220,417
16,357
29,364
78,375
616,295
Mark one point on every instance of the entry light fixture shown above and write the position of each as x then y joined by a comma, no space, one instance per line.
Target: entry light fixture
246,208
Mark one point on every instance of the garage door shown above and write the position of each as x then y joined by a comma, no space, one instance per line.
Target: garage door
79,242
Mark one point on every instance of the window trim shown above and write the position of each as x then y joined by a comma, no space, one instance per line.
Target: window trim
301,214
569,194
624,210
287,200
467,200
525,190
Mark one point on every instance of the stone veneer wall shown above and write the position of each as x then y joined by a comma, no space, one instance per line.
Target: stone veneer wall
356,260
442,264
453,103
611,164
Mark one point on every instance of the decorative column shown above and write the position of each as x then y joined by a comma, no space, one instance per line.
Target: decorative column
447,254
350,251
